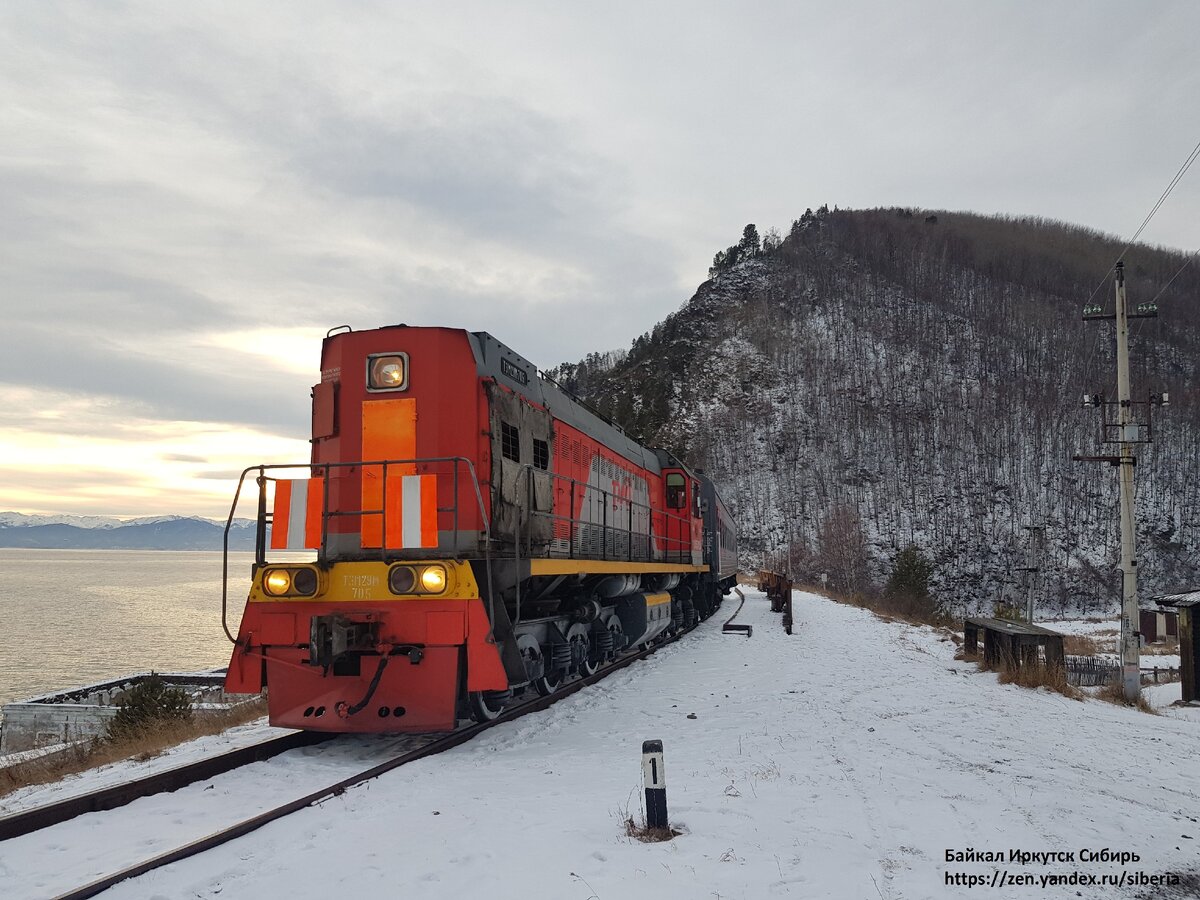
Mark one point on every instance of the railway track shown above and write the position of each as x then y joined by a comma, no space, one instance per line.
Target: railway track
34,820
114,796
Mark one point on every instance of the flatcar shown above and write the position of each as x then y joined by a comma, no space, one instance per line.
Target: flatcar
478,532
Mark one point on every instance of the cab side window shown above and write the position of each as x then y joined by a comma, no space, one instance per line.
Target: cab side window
510,442
676,491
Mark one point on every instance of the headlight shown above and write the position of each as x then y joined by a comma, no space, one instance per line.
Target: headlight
277,581
433,579
290,582
402,580
304,581
387,372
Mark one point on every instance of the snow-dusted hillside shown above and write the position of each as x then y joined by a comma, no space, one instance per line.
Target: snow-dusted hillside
844,761
920,382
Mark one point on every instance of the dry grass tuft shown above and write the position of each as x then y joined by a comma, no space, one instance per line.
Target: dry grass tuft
146,745
1053,678
1079,645
1169,648
890,609
1114,692
648,835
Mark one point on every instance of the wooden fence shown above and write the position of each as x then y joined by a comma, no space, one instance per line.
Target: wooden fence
1093,671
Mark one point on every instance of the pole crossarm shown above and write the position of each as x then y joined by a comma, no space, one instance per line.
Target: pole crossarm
1111,460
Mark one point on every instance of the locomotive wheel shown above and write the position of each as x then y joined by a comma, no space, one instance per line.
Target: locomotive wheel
578,637
487,705
618,633
548,684
531,656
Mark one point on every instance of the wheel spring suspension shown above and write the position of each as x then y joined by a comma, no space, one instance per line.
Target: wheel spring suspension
677,614
560,658
689,614
602,644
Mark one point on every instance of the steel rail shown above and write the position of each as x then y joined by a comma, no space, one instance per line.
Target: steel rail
117,795
729,627
437,745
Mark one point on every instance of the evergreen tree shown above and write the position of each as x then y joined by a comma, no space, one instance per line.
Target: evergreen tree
907,588
720,263
749,244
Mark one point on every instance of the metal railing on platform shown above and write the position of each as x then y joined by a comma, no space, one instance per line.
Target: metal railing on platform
601,524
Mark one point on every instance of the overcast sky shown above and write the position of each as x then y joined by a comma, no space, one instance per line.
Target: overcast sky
192,194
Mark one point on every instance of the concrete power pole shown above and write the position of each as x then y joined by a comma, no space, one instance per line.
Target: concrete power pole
1036,533
1131,676
1126,432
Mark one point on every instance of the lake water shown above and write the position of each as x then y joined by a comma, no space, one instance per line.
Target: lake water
70,617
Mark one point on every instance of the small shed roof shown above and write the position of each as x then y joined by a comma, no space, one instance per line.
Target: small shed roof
1183,598
1007,625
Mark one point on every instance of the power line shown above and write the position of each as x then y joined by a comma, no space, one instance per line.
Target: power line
1183,169
1187,262
1187,164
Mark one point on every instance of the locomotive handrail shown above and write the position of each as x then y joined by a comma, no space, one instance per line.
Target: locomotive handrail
323,469
225,556
677,546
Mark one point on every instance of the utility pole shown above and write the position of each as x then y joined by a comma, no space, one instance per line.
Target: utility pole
1036,533
1131,676
1126,431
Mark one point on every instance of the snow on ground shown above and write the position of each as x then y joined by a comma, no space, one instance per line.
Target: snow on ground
1162,696
1161,660
1101,628
126,770
843,761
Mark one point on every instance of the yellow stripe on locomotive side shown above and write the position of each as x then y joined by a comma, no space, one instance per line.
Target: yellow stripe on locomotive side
348,582
658,599
605,567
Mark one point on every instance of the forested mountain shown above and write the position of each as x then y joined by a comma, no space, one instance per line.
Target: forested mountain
881,378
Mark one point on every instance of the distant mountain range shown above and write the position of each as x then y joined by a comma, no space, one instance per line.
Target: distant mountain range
107,533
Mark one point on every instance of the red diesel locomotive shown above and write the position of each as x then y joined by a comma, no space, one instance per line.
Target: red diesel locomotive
478,531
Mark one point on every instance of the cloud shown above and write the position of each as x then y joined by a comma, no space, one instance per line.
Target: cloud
67,462
190,195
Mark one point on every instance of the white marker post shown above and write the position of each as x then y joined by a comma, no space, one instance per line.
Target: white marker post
655,778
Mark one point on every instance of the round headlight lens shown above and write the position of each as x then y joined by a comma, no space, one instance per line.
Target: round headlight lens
277,581
304,581
433,579
388,372
402,580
